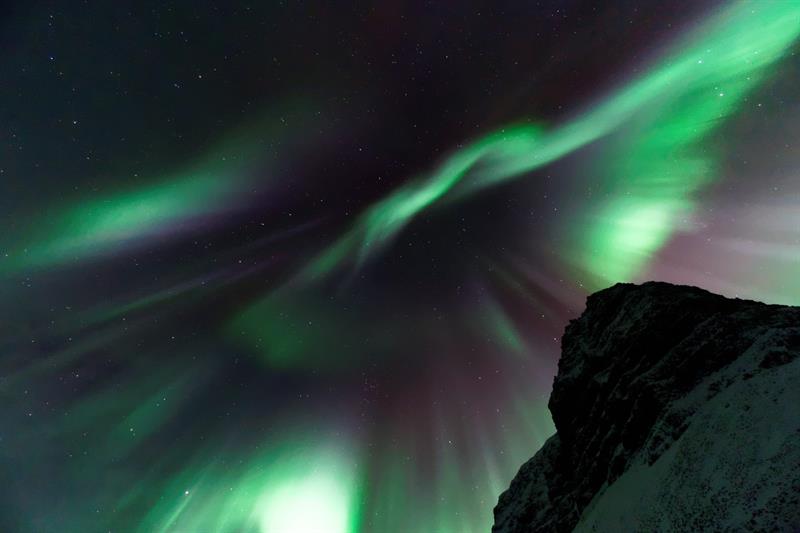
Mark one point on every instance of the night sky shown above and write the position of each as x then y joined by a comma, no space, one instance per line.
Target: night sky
303,267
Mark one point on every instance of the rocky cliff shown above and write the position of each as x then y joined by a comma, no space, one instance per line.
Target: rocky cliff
675,410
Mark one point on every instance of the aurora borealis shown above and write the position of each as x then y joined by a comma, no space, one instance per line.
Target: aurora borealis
281,268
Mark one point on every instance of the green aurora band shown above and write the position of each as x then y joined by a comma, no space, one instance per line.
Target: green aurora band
111,221
659,163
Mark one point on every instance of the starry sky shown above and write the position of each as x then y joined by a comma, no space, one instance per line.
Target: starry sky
303,267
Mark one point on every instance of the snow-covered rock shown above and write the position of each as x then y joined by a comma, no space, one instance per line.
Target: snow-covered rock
676,410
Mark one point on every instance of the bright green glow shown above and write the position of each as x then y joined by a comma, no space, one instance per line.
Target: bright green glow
625,235
295,486
649,182
314,497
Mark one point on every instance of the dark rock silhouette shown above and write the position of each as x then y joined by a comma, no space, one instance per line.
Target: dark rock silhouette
675,410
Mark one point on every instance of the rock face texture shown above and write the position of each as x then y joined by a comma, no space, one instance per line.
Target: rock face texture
676,410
